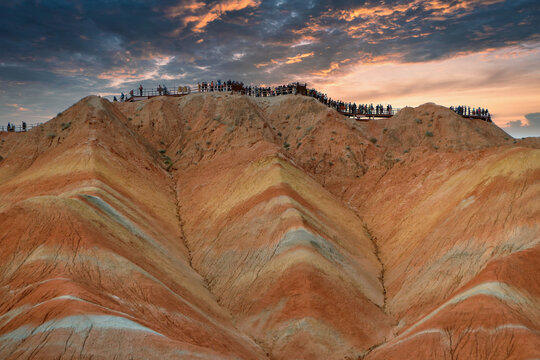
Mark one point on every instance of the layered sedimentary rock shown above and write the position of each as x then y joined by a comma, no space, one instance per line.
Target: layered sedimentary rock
93,259
222,226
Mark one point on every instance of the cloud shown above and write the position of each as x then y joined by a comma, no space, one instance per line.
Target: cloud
18,107
517,128
298,58
72,48
200,15
366,10
326,72
89,41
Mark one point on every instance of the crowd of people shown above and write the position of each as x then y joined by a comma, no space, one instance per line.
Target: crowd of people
291,88
294,88
350,108
215,86
264,91
475,112
159,91
249,90
219,85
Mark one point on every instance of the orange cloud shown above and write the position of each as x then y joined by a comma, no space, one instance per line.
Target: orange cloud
440,9
301,41
305,40
298,58
325,72
379,10
444,8
18,107
311,28
288,60
180,9
201,16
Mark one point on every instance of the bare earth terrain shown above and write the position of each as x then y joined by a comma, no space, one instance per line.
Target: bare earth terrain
218,226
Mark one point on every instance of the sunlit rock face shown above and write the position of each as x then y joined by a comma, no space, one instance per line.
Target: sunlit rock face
221,226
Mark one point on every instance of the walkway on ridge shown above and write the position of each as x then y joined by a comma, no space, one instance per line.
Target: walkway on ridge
255,91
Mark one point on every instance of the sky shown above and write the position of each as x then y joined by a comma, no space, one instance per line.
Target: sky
479,53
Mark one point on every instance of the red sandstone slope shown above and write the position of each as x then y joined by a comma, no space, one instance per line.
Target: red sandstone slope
442,221
94,262
282,230
258,225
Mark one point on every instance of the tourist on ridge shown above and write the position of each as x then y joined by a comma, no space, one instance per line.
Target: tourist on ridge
159,90
24,126
122,97
140,90
114,99
131,92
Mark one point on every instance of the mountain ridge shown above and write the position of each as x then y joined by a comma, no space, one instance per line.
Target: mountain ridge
270,228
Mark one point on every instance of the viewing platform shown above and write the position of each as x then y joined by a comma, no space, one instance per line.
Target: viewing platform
361,112
366,116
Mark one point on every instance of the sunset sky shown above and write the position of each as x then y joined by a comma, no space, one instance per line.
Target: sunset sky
463,52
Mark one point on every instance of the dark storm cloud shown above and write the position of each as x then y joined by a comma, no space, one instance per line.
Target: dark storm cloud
101,35
106,46
519,129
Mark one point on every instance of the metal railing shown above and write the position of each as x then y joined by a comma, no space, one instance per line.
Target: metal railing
217,88
486,117
248,90
374,113
294,88
19,128
268,92
358,111
158,92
